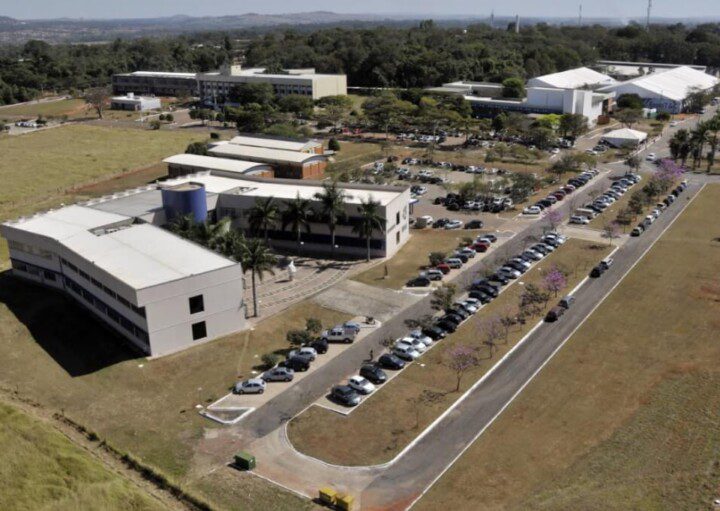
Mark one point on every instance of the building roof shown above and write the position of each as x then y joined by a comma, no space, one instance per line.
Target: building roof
273,143
263,153
572,79
163,74
212,163
675,84
626,134
59,224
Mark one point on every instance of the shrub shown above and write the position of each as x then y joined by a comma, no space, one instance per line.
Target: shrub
270,360
313,326
333,145
161,117
155,125
214,135
298,337
436,258
169,117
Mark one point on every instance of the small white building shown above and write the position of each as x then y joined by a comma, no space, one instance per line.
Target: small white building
624,137
135,103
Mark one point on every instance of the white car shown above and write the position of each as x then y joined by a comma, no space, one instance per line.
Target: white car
305,351
558,237
470,307
521,262
361,385
509,272
577,219
532,210
406,352
454,224
417,334
251,386
467,251
651,157
533,254
673,124
416,344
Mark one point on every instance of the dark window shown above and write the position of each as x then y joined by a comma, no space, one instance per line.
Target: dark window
397,217
397,238
199,330
96,283
49,275
196,304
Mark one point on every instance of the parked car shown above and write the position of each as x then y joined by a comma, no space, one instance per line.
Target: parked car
597,271
406,352
305,351
339,334
444,268
532,254
607,262
454,224
251,386
373,373
433,274
390,361
577,219
297,363
531,210
637,231
345,395
417,344
468,252
480,296
566,301
453,262
418,335
320,346
447,326
278,373
418,282
361,385
554,313
474,224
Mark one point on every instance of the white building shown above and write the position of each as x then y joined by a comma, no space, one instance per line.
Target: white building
215,87
301,146
624,137
135,103
182,164
160,292
578,78
666,90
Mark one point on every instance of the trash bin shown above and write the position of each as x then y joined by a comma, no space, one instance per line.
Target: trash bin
245,461
328,496
345,502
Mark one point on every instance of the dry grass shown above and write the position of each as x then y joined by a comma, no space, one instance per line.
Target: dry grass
413,257
382,426
626,415
73,108
53,353
43,469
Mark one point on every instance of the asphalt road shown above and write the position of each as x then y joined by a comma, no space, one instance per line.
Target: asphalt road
420,466
291,402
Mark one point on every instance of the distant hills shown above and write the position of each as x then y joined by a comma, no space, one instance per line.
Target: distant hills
97,30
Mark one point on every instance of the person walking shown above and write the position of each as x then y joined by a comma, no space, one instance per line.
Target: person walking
372,355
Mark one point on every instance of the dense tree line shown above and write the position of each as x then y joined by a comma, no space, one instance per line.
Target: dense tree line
428,55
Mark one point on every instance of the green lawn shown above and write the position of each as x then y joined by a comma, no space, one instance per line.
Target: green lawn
389,420
42,469
627,414
70,107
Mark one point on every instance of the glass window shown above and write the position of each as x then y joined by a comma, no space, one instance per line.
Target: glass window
199,330
196,304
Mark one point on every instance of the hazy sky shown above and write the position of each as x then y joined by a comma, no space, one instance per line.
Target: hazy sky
32,9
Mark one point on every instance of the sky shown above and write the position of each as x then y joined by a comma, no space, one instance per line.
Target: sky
35,9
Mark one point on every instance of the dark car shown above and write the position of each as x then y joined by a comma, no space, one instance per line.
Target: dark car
418,282
297,363
452,318
434,333
373,373
458,311
320,345
517,266
461,256
597,271
448,326
545,203
487,289
566,301
554,314
454,206
499,278
474,224
345,395
479,295
491,237
439,200
440,222
389,361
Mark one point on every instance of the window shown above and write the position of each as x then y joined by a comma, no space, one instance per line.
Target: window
397,218
199,330
49,275
397,238
196,304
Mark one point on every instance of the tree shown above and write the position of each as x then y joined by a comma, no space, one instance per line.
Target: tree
421,323
611,230
507,319
680,146
427,397
335,109
256,258
301,106
572,162
370,220
461,359
490,331
332,206
333,145
554,217
270,360
632,101
263,215
246,93
636,203
633,162
98,98
540,137
197,148
298,338
513,87
573,125
298,214
628,116
443,297
313,326
386,109
554,280
531,299
625,216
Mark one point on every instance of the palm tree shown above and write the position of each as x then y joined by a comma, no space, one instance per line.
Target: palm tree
231,244
370,221
184,226
332,204
298,215
211,235
263,214
256,257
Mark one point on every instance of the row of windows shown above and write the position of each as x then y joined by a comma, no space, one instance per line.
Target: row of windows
325,239
29,249
33,270
140,311
107,310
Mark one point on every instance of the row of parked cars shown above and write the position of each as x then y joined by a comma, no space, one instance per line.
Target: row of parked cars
599,204
558,195
455,261
491,204
659,208
300,359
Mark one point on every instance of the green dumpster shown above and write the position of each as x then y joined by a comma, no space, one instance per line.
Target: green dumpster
245,461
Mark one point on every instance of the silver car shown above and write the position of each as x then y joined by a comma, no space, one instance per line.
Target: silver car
251,386
279,373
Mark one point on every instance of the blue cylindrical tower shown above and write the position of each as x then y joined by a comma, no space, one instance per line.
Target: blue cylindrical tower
185,199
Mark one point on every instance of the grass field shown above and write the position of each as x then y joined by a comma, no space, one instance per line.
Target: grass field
411,258
72,108
626,416
389,420
43,469
53,353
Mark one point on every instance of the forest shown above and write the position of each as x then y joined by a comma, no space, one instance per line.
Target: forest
418,56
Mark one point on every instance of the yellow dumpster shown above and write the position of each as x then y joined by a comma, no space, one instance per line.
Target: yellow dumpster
328,496
345,502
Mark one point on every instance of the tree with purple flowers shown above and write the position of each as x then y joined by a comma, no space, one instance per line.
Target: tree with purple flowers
461,359
554,280
669,171
554,217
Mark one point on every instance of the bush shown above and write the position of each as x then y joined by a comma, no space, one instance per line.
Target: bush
298,337
333,145
169,117
155,125
215,135
663,116
197,148
161,117
436,258
270,360
313,326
